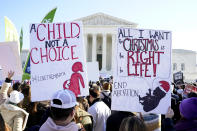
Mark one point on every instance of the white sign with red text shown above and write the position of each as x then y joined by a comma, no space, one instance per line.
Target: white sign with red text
142,74
57,59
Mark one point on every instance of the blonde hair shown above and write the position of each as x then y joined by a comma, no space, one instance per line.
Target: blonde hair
106,86
132,123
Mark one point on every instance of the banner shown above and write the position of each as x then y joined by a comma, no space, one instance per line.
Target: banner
47,19
178,78
11,32
142,72
57,60
189,88
10,60
93,71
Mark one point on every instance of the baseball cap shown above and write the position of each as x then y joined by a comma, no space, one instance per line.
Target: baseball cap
66,97
16,97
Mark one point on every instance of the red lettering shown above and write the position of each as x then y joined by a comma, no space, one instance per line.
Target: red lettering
145,60
137,55
51,31
154,69
72,52
42,56
64,29
141,69
146,70
50,54
37,33
63,53
159,56
72,30
58,25
31,55
130,56
59,59
151,57
136,65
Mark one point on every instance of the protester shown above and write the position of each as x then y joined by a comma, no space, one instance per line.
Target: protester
132,123
167,123
3,125
83,117
62,112
106,90
35,109
83,103
17,86
188,111
192,94
106,94
99,110
115,119
13,115
5,87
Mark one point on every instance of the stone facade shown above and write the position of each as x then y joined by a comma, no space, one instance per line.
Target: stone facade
185,61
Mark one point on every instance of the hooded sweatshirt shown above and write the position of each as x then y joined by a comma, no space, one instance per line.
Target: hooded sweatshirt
49,125
14,116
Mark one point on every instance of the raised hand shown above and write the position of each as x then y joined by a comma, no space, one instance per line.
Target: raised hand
10,74
170,113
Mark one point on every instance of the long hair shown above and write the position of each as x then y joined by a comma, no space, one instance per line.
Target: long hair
132,123
2,123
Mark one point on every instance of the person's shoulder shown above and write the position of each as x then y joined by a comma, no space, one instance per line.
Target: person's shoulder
82,113
102,106
21,111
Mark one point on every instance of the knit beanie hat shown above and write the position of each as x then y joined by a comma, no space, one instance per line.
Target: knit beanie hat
188,108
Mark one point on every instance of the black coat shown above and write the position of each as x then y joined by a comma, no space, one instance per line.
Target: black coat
115,119
186,125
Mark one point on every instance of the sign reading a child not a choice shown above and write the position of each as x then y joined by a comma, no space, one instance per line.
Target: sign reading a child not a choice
57,59
142,71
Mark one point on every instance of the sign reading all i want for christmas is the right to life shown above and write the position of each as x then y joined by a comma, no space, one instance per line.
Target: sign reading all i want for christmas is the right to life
142,73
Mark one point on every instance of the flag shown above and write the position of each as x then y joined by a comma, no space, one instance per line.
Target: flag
21,40
11,32
47,19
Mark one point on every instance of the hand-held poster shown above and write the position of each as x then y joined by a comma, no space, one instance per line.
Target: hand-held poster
57,59
142,72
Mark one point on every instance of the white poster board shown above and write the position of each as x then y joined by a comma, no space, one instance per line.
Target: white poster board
142,74
93,71
10,60
57,60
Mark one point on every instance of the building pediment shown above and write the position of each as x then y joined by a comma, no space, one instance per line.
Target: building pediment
104,19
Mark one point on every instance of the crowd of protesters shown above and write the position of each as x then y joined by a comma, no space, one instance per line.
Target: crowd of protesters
66,112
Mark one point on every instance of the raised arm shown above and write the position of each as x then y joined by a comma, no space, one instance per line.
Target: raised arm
5,87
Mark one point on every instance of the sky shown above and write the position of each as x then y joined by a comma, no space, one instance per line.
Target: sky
178,16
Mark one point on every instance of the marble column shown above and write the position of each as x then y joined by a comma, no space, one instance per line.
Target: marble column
86,46
113,51
94,47
104,54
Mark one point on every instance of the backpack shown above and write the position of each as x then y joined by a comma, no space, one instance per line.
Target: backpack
107,100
